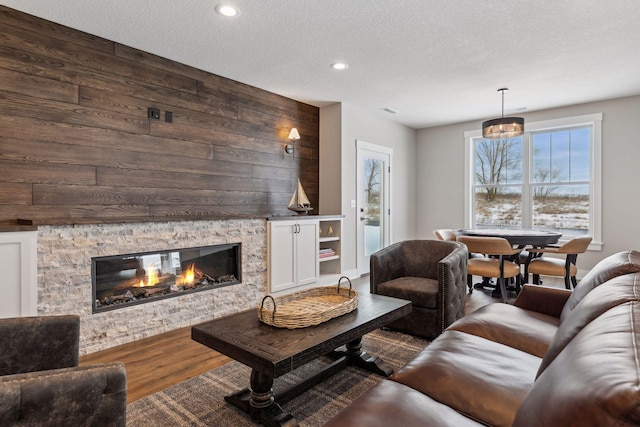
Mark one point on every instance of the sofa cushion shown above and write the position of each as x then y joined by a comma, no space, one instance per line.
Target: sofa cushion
480,378
595,380
613,266
419,290
524,330
616,291
394,404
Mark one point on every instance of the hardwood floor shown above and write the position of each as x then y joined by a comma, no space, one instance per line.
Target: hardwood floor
158,362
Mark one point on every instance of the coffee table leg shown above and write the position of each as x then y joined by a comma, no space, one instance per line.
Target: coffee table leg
262,405
364,360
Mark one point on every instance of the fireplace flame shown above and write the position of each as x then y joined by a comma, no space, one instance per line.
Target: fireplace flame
187,276
153,277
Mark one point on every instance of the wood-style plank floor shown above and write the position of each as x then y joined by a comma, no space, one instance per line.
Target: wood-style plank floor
158,362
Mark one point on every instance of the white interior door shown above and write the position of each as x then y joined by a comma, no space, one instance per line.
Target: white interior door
373,201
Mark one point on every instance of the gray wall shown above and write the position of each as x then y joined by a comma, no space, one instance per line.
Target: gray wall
356,124
440,175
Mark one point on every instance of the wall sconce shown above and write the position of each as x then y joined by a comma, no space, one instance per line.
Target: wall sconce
293,136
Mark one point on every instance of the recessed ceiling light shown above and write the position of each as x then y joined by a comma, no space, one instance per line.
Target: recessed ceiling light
227,10
339,65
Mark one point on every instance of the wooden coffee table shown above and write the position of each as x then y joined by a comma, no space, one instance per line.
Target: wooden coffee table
272,352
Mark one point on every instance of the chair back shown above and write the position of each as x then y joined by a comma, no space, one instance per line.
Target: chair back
445,234
576,245
488,245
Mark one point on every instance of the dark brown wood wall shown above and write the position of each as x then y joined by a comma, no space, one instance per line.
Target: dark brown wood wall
76,143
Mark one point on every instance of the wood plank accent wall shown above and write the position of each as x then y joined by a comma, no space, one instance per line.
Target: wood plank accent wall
76,143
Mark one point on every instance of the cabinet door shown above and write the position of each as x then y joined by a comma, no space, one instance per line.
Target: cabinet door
19,266
307,267
282,236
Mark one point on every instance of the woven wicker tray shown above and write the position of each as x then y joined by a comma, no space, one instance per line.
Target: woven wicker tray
309,307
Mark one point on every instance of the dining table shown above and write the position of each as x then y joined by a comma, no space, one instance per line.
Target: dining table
517,237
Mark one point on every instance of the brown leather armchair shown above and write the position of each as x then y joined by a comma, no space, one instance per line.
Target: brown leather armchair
431,274
41,383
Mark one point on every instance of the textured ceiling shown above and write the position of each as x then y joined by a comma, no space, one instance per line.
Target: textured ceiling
433,61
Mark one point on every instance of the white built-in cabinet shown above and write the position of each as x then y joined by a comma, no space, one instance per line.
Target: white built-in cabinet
292,254
18,263
303,251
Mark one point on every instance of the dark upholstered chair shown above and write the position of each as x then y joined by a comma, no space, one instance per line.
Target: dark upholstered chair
431,274
41,383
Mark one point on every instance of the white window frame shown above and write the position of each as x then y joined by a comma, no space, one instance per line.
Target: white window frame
595,214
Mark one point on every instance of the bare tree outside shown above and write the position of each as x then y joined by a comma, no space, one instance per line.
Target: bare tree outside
372,190
498,161
541,174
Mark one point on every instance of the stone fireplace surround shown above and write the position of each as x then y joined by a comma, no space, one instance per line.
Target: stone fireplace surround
64,275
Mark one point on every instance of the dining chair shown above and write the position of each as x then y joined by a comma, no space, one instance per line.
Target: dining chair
445,234
548,266
496,264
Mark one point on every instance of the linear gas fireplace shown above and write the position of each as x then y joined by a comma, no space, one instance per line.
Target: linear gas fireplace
123,280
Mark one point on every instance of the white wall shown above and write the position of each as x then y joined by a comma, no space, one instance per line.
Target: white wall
440,197
355,124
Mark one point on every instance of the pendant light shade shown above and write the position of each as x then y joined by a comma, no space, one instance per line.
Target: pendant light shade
504,127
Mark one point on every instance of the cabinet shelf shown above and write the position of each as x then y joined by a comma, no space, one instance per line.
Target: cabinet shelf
330,266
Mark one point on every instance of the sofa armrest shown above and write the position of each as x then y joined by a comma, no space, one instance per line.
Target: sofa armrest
94,395
39,343
542,299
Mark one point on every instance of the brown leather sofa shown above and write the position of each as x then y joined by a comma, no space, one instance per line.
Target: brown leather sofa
431,274
41,383
554,358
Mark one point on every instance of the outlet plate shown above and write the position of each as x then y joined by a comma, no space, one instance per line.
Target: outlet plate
168,117
153,113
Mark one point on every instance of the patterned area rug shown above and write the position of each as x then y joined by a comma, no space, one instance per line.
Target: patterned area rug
200,401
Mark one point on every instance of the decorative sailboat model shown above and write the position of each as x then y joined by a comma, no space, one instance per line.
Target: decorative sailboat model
299,201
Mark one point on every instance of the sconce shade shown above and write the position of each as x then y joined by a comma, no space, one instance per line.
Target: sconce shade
504,127
294,134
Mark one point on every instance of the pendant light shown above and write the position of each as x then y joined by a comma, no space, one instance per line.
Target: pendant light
504,127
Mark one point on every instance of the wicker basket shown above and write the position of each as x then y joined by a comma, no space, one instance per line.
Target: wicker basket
309,307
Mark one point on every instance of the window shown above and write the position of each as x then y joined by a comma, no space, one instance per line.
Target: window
547,178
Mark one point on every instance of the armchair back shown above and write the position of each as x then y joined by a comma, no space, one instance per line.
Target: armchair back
31,344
